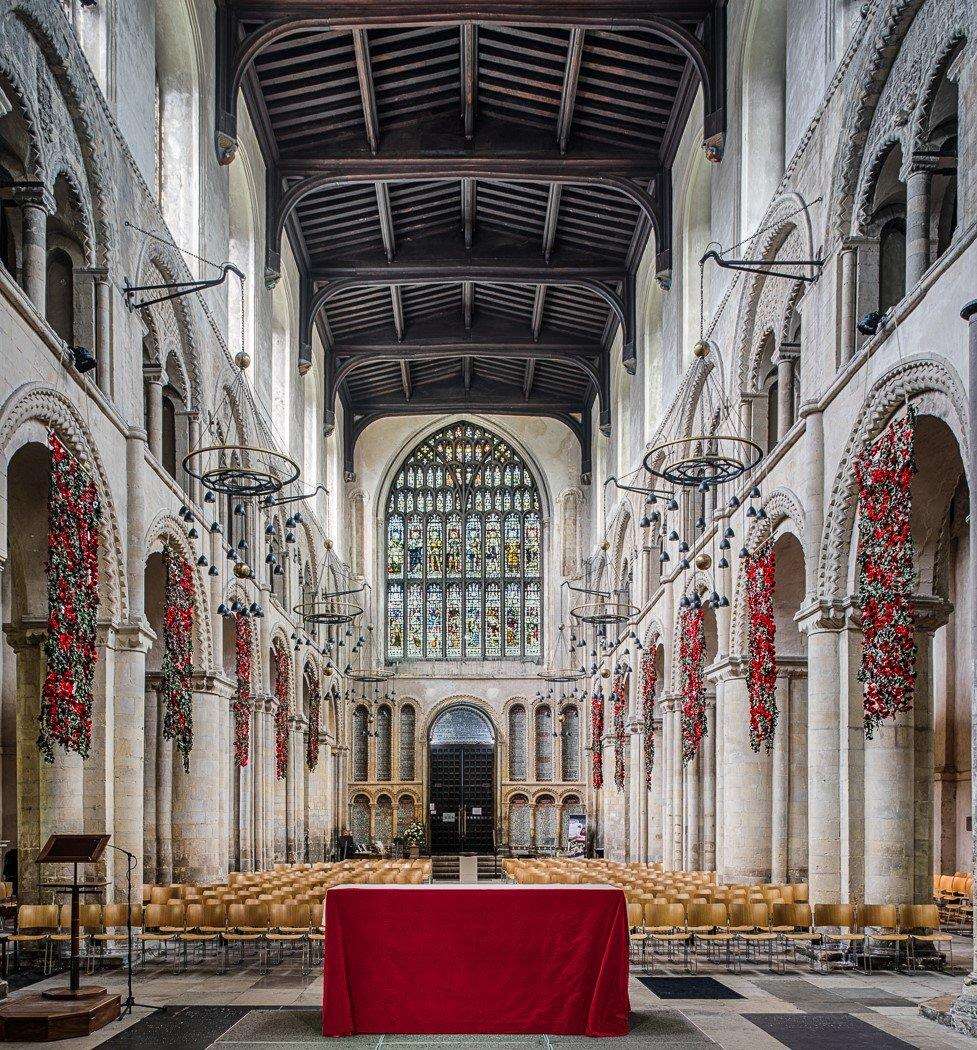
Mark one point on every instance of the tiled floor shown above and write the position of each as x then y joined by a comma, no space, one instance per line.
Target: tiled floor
245,1010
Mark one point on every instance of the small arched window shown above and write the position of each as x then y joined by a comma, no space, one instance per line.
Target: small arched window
570,738
517,742
384,820
544,743
360,744
384,720
169,431
60,305
408,728
892,263
520,822
360,821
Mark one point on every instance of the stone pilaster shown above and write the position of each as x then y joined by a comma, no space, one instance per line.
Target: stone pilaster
36,204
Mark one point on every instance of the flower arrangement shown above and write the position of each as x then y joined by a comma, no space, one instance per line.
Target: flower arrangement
596,739
649,683
243,653
74,517
315,703
413,834
283,672
761,675
691,656
620,706
175,692
886,574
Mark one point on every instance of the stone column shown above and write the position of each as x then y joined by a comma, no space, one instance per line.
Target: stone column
255,828
655,800
847,303
821,622
693,817
26,645
963,1013
781,781
291,786
708,858
36,204
95,329
918,183
156,378
747,787
164,796
787,359
664,760
676,767
133,769
273,820
196,808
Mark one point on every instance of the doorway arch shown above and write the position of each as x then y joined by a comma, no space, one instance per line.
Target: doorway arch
461,763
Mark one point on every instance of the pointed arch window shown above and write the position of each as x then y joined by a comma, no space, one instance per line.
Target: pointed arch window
464,549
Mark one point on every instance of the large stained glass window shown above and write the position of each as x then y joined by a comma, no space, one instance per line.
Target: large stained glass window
464,539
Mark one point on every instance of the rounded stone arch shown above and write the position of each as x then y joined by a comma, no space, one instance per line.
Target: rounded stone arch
36,25
875,101
81,201
653,634
919,127
785,220
27,414
698,581
170,324
462,700
169,531
785,515
863,221
621,531
935,388
22,102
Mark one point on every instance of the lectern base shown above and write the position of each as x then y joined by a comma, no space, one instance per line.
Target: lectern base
40,1018
88,991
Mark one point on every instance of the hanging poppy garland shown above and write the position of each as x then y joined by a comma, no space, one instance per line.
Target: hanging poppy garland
691,656
886,574
596,739
761,675
620,702
175,691
649,683
283,671
315,703
74,517
243,652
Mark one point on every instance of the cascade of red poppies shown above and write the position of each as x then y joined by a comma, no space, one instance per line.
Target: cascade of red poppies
315,703
243,652
761,676
283,672
70,654
691,658
649,683
176,693
597,739
620,705
886,572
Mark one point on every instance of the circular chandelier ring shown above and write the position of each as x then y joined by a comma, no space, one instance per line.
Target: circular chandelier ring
717,467
370,674
604,614
271,472
329,612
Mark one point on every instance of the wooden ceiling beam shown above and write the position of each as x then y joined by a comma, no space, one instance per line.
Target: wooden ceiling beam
524,266
468,303
468,211
568,92
552,219
527,384
364,75
466,373
386,220
539,303
469,77
397,305
405,379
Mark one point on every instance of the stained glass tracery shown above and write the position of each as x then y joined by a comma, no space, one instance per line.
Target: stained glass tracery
464,551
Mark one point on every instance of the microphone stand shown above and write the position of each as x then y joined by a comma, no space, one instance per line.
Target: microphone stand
130,865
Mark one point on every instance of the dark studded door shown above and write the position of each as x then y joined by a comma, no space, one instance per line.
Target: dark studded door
462,798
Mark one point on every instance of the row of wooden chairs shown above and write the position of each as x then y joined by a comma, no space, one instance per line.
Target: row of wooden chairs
954,896
781,929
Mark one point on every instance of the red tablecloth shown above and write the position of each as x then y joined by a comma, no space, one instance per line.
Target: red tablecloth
547,960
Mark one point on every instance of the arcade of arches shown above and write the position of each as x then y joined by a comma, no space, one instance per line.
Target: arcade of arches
462,476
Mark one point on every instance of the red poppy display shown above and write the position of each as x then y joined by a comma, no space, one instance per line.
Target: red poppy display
176,694
242,707
282,663
761,678
649,683
620,706
886,572
70,653
315,704
596,739
691,657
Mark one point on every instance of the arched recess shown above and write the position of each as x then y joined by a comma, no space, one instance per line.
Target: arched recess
696,235
242,252
275,376
177,142
763,110
518,769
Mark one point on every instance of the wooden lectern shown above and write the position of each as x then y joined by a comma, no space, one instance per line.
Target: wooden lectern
64,1013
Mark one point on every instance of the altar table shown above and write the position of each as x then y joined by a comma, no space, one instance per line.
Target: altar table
423,960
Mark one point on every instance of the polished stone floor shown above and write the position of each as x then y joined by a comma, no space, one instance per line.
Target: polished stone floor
752,1010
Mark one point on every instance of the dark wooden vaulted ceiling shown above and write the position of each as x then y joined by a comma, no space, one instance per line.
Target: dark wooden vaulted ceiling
468,187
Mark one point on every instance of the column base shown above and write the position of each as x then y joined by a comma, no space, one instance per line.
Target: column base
958,1012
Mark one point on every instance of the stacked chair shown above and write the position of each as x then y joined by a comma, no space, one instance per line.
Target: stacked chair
674,914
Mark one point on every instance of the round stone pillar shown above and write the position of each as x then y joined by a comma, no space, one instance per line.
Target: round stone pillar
196,804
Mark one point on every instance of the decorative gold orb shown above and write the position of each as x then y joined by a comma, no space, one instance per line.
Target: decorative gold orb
701,349
328,545
703,561
242,570
605,672
242,359
605,546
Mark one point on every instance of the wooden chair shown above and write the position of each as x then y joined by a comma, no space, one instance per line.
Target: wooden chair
922,923
204,925
665,925
880,925
794,924
289,925
36,923
114,929
836,924
708,924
